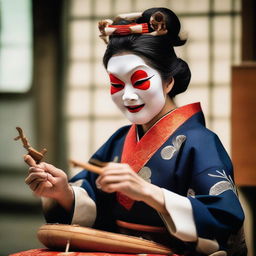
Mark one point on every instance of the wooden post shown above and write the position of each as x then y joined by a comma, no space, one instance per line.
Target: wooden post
244,123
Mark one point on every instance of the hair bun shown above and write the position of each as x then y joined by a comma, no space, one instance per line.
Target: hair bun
182,76
172,24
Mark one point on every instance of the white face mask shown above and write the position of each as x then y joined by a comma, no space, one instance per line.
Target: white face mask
136,88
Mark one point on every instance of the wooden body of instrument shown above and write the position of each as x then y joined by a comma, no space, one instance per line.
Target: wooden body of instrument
57,236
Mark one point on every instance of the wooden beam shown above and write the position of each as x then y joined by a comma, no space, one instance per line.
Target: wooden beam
248,30
243,123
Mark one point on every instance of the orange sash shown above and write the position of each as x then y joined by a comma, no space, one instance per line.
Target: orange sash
137,153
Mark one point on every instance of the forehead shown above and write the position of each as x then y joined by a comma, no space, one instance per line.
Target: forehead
125,64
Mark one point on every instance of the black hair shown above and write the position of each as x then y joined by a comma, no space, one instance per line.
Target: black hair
157,51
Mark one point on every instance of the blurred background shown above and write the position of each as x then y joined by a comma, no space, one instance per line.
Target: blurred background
54,86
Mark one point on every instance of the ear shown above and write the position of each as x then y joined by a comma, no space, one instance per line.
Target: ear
168,86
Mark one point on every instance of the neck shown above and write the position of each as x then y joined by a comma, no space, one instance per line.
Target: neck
169,106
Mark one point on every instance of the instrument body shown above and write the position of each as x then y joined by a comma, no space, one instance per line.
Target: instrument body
57,236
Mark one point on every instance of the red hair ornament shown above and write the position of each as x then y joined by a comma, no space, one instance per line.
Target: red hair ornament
157,23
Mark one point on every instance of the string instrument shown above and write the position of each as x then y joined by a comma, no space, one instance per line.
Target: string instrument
65,237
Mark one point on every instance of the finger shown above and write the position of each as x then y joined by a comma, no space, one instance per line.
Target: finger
97,184
35,170
113,165
40,170
116,171
120,173
29,160
51,179
34,176
110,179
38,187
116,187
55,172
48,184
110,172
38,173
33,185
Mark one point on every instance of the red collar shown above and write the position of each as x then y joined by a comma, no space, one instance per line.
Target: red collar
137,153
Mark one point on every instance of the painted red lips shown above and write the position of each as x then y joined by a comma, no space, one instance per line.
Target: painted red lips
135,108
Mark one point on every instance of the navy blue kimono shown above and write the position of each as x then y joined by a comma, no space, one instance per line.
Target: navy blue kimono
191,163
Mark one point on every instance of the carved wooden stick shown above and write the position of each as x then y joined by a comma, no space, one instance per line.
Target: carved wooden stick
97,162
36,155
87,166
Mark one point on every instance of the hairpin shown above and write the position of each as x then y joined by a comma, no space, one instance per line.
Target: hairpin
157,23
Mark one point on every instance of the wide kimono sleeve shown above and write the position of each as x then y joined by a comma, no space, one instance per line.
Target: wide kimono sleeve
85,206
210,212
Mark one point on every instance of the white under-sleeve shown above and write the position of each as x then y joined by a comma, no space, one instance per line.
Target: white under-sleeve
84,208
179,220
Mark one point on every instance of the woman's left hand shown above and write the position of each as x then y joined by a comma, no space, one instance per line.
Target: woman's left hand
121,178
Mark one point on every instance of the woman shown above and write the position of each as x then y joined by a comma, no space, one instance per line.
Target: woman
166,171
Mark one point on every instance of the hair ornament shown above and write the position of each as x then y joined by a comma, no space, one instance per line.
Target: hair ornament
157,24
102,25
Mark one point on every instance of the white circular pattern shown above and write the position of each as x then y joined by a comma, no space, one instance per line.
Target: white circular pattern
168,152
145,173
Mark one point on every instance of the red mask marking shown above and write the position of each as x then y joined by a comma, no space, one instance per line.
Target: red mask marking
116,84
140,80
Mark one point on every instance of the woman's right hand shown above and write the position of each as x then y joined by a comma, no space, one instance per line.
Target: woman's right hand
45,180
